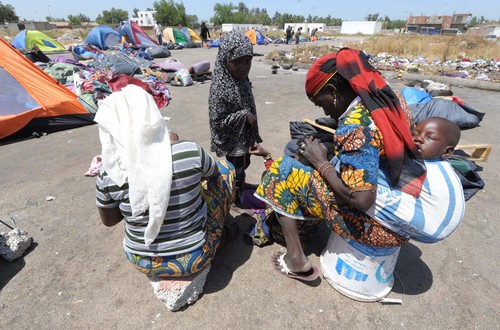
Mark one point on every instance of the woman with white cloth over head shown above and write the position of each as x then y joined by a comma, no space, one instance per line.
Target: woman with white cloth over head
171,194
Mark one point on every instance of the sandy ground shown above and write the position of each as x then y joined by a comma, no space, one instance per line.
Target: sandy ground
76,275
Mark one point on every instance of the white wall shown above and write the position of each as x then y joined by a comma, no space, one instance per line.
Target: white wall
363,27
242,27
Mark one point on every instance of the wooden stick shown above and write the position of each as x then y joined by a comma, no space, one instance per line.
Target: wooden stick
313,123
6,224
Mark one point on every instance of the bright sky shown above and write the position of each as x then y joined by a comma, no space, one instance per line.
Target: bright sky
347,10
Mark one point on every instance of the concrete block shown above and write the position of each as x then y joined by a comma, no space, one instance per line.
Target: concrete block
14,244
176,293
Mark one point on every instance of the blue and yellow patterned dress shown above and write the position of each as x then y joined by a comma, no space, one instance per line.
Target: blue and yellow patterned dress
298,191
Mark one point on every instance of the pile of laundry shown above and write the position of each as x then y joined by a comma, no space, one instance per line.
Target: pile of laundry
94,79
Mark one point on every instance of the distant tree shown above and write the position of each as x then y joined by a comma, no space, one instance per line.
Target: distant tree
238,18
170,13
7,13
298,18
78,19
242,8
74,20
241,14
281,19
316,19
372,17
398,24
328,20
136,12
261,16
54,19
336,21
193,22
113,16
83,17
277,20
223,13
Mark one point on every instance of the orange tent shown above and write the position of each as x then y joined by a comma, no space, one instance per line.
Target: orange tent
33,101
252,35
256,37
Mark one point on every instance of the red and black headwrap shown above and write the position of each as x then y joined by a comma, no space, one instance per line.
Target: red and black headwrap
406,167
320,73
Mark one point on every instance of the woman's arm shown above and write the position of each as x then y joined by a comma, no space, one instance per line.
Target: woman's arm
316,153
360,200
110,217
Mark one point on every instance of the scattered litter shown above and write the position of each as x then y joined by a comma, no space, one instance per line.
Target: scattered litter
391,301
49,198
268,102
463,67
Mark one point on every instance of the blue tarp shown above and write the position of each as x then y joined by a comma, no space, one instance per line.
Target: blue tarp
87,52
415,95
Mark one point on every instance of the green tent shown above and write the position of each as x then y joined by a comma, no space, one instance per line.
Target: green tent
179,36
27,39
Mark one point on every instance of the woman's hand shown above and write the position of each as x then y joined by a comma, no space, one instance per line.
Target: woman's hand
314,150
251,120
174,137
258,150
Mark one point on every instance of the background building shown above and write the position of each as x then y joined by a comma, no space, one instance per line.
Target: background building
145,18
363,27
437,24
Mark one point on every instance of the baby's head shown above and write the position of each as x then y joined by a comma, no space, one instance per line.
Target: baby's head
436,138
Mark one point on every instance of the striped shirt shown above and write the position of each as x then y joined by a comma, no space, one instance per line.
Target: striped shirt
184,228
431,217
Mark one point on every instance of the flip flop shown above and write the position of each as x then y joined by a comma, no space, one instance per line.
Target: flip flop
278,262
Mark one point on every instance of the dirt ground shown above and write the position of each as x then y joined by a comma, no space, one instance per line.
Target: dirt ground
76,275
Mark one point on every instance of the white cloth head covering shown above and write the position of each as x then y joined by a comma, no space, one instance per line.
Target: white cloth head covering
136,145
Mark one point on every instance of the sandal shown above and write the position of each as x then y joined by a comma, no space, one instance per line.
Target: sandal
278,263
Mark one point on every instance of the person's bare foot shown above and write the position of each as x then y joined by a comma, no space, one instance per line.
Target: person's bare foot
306,273
297,264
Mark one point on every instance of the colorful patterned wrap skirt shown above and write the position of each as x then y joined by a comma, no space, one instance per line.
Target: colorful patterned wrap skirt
299,192
218,194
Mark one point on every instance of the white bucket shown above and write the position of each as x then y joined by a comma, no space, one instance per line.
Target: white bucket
359,271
